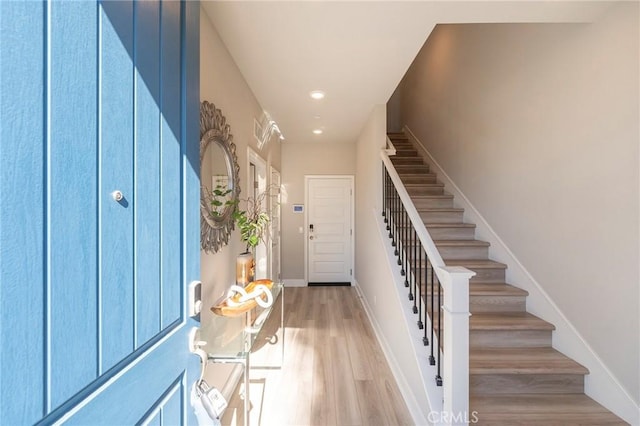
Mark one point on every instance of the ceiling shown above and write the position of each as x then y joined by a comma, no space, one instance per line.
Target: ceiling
356,52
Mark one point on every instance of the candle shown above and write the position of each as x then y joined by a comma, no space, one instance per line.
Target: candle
244,269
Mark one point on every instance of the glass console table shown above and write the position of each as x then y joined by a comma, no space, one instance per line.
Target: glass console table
231,339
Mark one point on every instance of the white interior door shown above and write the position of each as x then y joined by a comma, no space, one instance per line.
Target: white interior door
329,229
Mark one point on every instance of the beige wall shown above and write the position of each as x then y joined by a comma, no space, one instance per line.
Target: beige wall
298,160
374,272
222,84
538,126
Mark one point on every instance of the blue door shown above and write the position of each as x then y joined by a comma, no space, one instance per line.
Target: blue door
99,198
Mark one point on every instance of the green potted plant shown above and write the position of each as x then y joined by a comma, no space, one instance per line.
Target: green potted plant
252,222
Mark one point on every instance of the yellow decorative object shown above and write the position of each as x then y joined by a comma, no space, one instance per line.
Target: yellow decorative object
233,304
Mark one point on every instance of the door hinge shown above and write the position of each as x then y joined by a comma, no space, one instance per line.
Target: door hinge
350,231
350,272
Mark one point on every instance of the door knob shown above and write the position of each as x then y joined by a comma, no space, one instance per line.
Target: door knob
117,196
311,237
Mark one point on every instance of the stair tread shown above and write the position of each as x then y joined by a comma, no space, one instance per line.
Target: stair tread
495,289
508,321
450,225
411,174
556,409
475,263
439,210
421,185
522,361
427,196
410,165
418,160
461,243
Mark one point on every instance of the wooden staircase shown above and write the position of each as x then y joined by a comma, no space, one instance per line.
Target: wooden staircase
516,377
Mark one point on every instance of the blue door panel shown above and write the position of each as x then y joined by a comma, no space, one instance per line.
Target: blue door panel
137,392
169,409
71,198
174,406
97,97
22,193
115,337
147,158
170,161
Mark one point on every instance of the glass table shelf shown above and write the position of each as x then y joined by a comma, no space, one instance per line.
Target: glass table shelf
231,339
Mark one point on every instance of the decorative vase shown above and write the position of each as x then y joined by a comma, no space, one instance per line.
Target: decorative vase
244,269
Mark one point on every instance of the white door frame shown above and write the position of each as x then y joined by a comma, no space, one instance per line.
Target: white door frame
307,178
275,204
260,170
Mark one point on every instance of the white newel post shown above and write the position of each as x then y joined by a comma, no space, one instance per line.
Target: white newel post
455,366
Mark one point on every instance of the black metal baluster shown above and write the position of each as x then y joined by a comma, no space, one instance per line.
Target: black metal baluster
384,192
418,274
432,359
403,241
425,339
409,263
414,244
438,376
392,231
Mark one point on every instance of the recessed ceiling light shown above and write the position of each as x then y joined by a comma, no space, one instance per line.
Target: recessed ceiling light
317,94
317,131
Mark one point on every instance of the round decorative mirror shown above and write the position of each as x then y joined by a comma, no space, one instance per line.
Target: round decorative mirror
219,179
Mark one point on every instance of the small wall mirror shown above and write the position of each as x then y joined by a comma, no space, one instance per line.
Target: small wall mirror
219,179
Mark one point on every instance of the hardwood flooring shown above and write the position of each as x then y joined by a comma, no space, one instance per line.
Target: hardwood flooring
333,371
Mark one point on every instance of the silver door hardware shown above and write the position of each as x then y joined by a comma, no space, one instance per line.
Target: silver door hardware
195,298
211,399
117,195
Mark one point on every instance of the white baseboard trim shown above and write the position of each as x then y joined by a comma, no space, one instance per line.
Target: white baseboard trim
600,384
294,282
409,398
420,412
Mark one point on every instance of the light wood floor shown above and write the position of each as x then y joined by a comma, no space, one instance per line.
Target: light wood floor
334,372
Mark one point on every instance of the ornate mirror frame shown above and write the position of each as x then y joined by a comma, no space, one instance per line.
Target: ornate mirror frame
216,226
